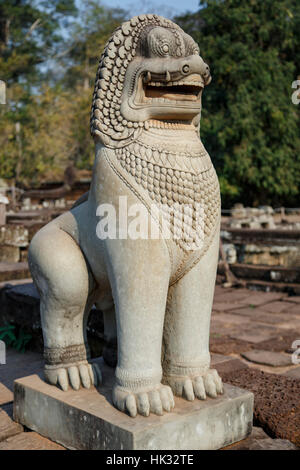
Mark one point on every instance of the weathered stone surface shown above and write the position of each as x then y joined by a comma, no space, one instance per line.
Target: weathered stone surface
259,440
225,364
224,344
257,434
14,271
269,358
6,395
8,427
224,306
261,298
231,295
14,235
228,318
295,299
278,307
272,319
272,444
29,441
295,309
246,311
17,365
233,365
256,333
293,373
86,419
9,254
276,401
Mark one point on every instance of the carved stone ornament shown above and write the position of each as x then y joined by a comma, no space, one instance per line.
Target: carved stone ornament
155,292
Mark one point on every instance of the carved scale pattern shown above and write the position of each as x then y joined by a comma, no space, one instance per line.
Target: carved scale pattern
171,187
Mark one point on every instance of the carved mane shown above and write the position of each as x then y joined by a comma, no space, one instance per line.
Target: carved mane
107,122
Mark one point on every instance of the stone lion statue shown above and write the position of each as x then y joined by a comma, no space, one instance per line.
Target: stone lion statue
156,293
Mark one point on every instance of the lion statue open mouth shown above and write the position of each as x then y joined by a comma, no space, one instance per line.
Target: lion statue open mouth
155,293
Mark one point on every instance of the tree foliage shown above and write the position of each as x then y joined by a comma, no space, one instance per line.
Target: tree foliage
249,124
49,77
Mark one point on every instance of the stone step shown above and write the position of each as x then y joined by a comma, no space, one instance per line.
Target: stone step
291,287
266,273
278,237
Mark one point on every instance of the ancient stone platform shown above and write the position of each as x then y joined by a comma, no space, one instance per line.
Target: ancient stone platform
86,419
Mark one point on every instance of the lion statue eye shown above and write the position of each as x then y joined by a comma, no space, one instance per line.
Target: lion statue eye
165,48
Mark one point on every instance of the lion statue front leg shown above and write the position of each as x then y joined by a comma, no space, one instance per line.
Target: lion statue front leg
186,335
140,297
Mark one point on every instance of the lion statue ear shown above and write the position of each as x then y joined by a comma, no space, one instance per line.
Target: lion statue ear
107,123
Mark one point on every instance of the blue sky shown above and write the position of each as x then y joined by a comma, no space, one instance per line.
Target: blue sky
166,8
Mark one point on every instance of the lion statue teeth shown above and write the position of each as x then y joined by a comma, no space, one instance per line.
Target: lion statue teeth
155,292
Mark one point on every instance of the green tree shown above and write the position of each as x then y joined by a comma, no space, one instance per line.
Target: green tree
29,35
50,78
249,124
28,38
88,38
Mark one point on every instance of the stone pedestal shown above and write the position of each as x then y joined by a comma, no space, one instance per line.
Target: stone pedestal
86,419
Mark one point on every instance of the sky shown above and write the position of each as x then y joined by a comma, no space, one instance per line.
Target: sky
166,8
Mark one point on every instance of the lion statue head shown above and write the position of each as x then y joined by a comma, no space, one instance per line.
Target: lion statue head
150,69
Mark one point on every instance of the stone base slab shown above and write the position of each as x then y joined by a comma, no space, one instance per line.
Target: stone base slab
86,419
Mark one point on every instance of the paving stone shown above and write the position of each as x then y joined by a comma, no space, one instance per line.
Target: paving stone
29,441
268,358
219,358
272,444
293,373
8,427
247,311
256,334
220,290
224,344
226,364
235,295
294,299
282,342
224,306
291,321
14,271
295,309
262,298
277,307
273,319
259,440
230,319
233,365
6,395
